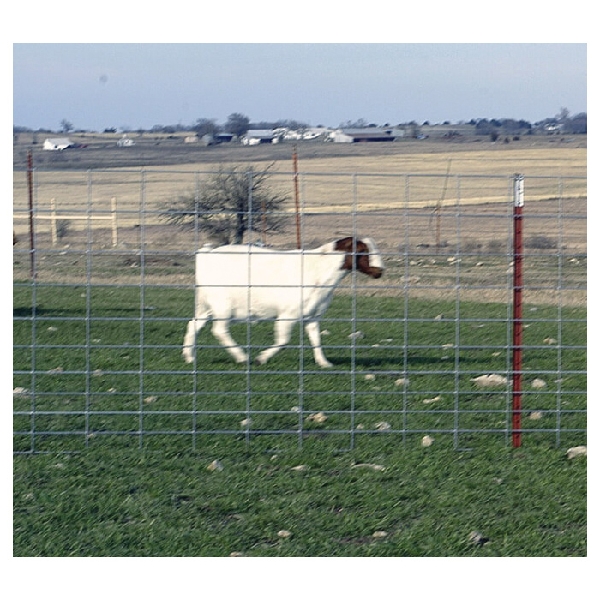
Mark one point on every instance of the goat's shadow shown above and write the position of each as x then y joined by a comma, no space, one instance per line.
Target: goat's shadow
378,362
339,362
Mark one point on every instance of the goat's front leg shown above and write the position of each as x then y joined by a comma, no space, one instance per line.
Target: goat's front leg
314,335
220,330
283,332
189,341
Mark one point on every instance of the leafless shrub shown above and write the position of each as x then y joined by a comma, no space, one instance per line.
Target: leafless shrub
540,242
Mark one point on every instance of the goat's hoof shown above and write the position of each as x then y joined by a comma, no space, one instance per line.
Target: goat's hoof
326,365
188,359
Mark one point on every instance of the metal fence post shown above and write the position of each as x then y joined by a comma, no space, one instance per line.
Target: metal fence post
517,364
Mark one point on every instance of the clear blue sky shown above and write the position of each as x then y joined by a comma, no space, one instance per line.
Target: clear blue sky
139,85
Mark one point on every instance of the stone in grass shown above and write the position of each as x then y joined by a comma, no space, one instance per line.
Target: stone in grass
427,441
538,384
284,534
380,535
382,426
319,417
215,465
432,400
372,466
491,380
576,451
478,538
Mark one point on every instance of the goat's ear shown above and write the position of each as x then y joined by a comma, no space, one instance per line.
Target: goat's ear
344,244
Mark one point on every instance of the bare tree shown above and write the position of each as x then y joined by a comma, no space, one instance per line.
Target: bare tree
206,127
66,126
237,124
230,202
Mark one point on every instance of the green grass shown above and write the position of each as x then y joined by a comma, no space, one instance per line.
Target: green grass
126,502
122,432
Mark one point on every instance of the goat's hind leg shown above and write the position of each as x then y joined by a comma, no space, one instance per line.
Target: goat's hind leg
220,330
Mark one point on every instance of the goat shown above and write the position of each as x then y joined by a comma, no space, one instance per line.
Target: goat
250,283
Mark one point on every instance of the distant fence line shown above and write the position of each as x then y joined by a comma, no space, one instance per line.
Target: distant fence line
54,217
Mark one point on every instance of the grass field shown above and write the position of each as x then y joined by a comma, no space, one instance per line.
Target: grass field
282,471
126,502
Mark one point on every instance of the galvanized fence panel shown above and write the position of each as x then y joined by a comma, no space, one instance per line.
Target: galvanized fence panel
426,351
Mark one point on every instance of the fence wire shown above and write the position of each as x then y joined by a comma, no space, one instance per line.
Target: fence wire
103,299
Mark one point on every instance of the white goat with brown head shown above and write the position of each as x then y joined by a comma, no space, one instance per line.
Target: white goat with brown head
250,283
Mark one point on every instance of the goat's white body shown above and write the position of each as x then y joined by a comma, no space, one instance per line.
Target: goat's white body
253,284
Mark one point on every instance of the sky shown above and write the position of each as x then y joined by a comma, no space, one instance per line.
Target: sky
139,85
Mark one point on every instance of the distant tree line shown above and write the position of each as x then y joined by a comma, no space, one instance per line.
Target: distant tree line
238,124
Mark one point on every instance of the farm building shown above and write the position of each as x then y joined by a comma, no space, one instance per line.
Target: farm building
367,134
124,142
56,143
224,137
260,136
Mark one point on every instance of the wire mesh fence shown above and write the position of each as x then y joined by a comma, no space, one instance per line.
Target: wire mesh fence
104,288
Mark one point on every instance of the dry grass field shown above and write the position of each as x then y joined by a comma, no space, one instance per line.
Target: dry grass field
424,201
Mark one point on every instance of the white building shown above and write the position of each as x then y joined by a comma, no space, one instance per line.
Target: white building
367,134
260,136
56,143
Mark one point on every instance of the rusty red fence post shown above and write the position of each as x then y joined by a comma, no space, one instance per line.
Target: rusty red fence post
297,198
517,324
30,200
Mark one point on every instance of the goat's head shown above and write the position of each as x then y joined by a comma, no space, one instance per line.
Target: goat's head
361,255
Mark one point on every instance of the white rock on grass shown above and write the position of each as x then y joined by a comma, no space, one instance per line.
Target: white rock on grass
382,426
491,380
427,441
357,335
538,384
576,451
215,465
432,400
379,535
477,538
319,417
371,466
